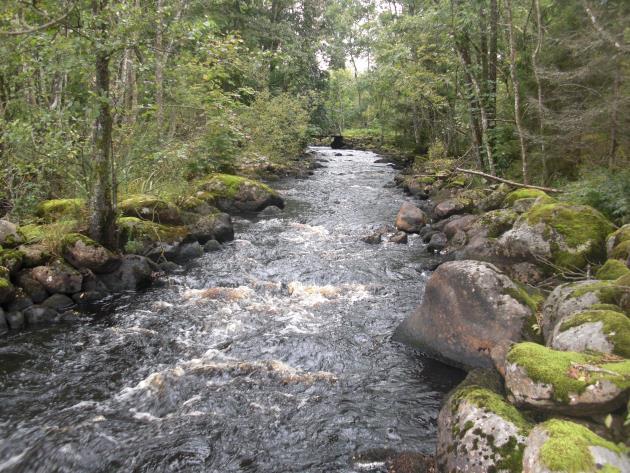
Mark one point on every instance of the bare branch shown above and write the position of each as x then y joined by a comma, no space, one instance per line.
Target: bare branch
506,181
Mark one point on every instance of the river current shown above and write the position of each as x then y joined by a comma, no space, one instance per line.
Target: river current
273,355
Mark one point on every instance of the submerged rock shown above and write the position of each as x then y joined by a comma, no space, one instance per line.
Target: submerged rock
410,218
468,307
478,430
563,382
564,446
238,194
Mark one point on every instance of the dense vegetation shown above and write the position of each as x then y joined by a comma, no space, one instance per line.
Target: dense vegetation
105,98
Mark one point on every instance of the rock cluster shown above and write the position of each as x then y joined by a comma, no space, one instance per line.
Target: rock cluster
49,268
549,372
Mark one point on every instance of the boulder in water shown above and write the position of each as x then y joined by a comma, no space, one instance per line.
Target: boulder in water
410,218
238,194
135,272
216,226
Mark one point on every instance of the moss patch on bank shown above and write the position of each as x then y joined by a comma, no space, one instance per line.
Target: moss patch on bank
523,194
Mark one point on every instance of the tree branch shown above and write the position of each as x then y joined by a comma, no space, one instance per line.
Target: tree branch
40,27
505,181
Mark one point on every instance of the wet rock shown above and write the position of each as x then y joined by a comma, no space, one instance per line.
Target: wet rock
135,272
161,252
91,283
410,218
437,242
34,255
10,236
4,325
426,233
563,382
169,267
238,194
217,227
212,246
562,445
478,430
188,251
83,252
603,331
32,288
38,315
7,290
58,302
468,307
58,277
568,236
458,240
373,239
86,297
15,319
400,238
152,208
21,302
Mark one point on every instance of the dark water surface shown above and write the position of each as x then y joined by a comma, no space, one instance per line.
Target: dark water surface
273,355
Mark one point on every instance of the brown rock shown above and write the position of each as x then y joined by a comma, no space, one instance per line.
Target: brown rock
410,218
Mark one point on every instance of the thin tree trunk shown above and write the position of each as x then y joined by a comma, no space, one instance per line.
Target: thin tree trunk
614,115
159,68
517,93
101,209
541,114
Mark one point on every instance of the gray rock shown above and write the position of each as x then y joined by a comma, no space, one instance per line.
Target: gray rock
437,242
449,207
58,277
400,238
39,315
468,307
4,325
523,205
20,302
135,272
212,227
169,267
212,246
58,302
188,251
410,218
31,286
9,234
83,253
34,255
15,320
373,239
462,223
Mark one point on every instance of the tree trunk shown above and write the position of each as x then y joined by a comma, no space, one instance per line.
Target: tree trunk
101,209
541,114
159,68
517,93
614,114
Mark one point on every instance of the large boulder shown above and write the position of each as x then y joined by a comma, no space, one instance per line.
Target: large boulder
495,199
58,277
478,430
51,211
216,226
410,218
468,307
520,194
564,446
7,290
34,255
564,382
152,208
83,252
36,315
568,299
135,272
462,203
564,235
238,194
142,236
494,223
618,243
603,331
462,223
31,286
611,270
10,235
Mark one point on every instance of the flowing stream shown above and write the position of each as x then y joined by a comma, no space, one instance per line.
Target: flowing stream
273,355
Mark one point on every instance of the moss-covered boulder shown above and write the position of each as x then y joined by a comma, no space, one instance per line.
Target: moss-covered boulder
463,202
152,208
564,446
34,255
597,330
495,223
495,199
478,430
468,307
618,243
612,269
237,194
216,226
10,234
58,278
571,298
51,211
11,259
560,235
524,193
562,382
7,290
84,253
139,236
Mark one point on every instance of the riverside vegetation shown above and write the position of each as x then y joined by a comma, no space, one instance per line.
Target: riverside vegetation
131,132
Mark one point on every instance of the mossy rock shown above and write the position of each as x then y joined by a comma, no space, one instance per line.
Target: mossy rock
612,269
496,222
7,290
137,235
495,199
61,209
10,235
621,235
237,194
523,194
603,331
565,382
621,251
84,253
11,259
152,208
559,445
478,430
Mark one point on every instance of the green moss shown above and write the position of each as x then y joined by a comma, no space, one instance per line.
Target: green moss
612,269
135,229
621,251
227,186
547,366
71,238
11,258
620,235
61,209
497,222
613,307
523,194
608,292
567,448
616,327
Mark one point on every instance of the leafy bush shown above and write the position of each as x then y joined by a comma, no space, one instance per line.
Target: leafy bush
607,191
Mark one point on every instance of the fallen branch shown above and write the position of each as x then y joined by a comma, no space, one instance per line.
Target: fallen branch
505,181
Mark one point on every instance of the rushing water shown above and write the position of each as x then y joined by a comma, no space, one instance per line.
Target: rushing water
273,355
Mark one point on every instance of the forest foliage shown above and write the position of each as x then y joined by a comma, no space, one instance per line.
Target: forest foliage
536,90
